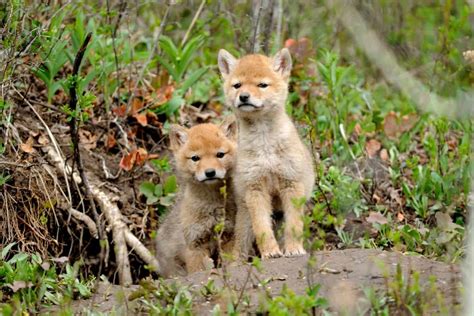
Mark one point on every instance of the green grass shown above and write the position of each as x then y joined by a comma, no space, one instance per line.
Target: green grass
415,184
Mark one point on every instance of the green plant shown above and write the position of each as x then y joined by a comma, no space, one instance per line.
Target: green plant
176,63
27,282
161,193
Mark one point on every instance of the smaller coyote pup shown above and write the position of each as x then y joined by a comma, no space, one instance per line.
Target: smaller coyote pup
273,168
204,156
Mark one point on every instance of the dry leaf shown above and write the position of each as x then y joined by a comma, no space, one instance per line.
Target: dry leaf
137,105
163,95
407,122
43,140
111,141
18,285
357,129
372,147
384,154
127,162
376,217
87,139
120,111
390,125
142,155
141,118
28,146
400,217
63,259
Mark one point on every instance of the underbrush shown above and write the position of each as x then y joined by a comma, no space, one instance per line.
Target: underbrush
389,176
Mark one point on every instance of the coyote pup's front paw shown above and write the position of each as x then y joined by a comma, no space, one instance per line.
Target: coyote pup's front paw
273,252
294,250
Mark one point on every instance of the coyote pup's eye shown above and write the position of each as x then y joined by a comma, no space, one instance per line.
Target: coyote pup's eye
195,158
262,85
220,154
237,85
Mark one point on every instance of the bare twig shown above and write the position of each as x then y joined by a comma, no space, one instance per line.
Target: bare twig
196,16
256,27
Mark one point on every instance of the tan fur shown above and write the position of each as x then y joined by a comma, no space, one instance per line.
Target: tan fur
273,166
186,239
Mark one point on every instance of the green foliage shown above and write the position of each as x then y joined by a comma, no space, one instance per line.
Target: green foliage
162,194
27,282
288,303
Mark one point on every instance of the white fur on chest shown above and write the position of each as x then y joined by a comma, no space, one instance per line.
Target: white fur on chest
263,151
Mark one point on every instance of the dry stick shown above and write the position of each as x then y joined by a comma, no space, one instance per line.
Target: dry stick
145,65
256,27
196,16
74,131
122,7
268,26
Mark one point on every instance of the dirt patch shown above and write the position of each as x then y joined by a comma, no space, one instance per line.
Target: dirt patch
343,275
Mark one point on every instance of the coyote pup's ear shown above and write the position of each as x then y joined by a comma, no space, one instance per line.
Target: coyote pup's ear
229,127
282,63
226,62
178,136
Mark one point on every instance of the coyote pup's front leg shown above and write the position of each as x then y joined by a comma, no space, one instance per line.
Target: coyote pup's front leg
259,206
293,233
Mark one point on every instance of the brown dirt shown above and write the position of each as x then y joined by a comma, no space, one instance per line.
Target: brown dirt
343,275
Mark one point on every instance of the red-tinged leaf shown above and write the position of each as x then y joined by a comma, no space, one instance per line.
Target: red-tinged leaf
290,42
163,95
141,118
28,146
372,147
120,111
384,154
400,217
128,161
376,218
137,105
407,122
141,156
111,141
357,129
390,124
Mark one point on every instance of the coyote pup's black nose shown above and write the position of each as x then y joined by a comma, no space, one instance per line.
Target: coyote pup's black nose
244,97
210,173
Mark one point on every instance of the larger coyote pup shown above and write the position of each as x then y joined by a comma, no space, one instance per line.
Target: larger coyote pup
273,166
204,158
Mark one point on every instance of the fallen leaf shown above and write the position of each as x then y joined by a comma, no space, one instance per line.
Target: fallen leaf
372,147
390,125
87,139
141,118
28,146
357,129
63,259
163,95
43,140
111,141
142,155
128,161
18,285
400,217
384,154
407,122
137,105
120,111
45,265
376,218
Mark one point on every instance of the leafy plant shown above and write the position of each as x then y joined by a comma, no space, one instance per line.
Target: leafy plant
162,194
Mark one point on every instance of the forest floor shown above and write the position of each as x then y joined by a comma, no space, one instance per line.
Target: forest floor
344,277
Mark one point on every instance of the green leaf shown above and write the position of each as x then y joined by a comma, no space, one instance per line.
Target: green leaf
6,250
18,257
170,185
171,70
158,190
192,79
147,189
